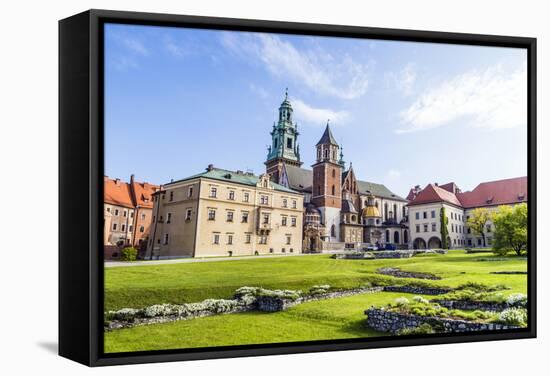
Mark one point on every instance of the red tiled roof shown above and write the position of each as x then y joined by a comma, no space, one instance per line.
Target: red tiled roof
450,187
117,192
433,193
143,194
411,195
500,192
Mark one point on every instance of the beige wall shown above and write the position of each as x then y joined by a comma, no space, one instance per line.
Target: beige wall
123,219
418,229
196,237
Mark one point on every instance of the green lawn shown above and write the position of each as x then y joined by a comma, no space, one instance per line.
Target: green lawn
327,319
141,286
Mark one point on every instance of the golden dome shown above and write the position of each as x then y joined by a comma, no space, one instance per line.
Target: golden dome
370,211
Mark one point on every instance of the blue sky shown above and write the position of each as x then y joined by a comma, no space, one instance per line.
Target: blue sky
406,113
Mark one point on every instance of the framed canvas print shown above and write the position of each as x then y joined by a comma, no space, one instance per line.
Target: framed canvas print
240,187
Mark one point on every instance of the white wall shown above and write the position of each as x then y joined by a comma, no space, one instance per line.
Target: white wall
28,150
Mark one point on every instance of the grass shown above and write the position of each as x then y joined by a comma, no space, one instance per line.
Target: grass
142,286
339,318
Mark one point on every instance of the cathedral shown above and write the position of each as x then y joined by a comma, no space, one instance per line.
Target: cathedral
340,210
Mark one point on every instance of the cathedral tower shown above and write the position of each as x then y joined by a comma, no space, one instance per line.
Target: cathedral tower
327,182
284,147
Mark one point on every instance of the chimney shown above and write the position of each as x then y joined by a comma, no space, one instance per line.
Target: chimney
117,181
210,167
132,179
436,184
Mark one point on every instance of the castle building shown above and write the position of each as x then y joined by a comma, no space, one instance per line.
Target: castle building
337,212
225,213
427,205
127,212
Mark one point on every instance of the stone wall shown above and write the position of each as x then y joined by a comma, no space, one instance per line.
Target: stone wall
382,320
470,305
418,290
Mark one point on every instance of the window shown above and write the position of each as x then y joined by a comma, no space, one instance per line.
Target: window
425,227
288,239
293,221
333,190
108,210
293,204
417,227
433,226
264,200
143,216
244,217
131,214
266,219
154,218
469,241
247,238
213,192
454,241
190,192
289,143
141,229
230,239
130,228
433,213
171,195
246,196
165,239
478,241
114,226
283,220
188,213
417,215
452,227
231,195
168,217
123,228
333,173
424,215
211,214
469,231
285,203
283,250
216,239
263,239
488,228
229,216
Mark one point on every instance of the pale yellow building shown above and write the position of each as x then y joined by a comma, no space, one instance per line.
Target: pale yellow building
225,213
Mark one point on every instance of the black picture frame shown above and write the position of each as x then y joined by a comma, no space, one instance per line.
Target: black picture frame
81,184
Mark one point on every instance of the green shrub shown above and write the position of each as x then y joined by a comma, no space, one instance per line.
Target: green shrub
129,254
513,316
422,329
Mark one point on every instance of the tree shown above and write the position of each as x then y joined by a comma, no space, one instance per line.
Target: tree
477,221
444,230
511,229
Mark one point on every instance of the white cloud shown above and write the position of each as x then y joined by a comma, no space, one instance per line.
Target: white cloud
404,80
491,99
174,48
317,116
134,45
317,69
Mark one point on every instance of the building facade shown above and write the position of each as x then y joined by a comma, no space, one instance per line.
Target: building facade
335,200
127,211
427,206
225,213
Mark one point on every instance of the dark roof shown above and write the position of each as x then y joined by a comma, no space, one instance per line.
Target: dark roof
327,137
348,207
379,190
299,179
232,177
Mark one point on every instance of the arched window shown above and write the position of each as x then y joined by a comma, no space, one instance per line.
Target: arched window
388,239
395,211
333,231
386,211
326,153
405,237
396,237
333,173
333,190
